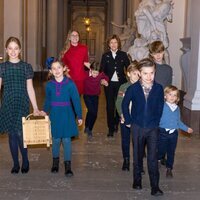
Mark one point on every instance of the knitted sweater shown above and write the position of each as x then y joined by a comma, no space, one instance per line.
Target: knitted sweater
120,96
163,74
172,120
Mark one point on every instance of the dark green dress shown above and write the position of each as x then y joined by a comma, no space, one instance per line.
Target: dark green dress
15,100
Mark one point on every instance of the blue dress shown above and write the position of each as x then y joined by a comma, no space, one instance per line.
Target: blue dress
58,103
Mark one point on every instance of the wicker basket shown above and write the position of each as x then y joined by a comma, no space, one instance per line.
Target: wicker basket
36,130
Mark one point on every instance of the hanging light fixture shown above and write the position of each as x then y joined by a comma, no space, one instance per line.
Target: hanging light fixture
87,20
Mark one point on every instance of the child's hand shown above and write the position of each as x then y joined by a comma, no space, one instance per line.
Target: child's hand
42,113
87,64
190,130
128,125
80,121
36,112
90,72
122,119
104,82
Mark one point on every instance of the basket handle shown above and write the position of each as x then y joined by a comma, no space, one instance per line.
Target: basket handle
28,116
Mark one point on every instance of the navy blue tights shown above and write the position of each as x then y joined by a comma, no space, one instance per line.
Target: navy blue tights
15,142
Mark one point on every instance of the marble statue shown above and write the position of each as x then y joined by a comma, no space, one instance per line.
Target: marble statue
151,19
128,35
139,50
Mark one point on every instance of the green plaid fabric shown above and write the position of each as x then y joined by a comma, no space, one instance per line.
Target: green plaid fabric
15,100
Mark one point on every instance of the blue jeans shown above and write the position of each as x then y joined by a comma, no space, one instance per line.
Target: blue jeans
66,142
167,145
16,143
125,138
91,102
150,137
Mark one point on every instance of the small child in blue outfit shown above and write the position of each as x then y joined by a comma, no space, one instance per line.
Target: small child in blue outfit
61,92
169,124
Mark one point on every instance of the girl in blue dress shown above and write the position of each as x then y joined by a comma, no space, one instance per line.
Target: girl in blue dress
61,93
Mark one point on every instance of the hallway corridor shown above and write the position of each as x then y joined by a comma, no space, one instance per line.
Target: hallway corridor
97,169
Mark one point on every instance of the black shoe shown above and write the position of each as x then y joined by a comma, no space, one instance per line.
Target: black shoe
68,171
126,164
110,134
55,165
89,138
86,130
137,186
169,173
25,170
156,192
89,133
116,128
163,161
15,170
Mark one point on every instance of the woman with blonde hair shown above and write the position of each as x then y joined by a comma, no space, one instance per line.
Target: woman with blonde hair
75,56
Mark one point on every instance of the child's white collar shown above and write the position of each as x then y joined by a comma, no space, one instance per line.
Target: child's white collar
172,106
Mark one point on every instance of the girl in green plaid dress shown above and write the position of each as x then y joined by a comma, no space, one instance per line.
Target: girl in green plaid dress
16,77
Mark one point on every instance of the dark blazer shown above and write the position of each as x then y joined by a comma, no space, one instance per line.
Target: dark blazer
120,63
144,113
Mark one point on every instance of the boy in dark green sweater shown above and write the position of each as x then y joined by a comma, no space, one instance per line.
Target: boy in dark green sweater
132,76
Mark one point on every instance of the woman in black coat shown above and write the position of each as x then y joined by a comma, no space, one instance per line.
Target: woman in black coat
113,64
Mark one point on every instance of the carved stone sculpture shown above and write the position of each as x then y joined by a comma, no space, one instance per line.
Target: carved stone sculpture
128,34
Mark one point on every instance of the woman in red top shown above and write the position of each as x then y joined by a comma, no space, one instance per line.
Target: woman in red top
75,56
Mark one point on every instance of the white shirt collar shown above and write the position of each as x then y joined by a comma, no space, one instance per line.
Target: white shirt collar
114,53
172,106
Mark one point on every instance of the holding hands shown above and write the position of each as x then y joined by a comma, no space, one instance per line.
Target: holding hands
87,64
37,112
104,82
80,121
190,130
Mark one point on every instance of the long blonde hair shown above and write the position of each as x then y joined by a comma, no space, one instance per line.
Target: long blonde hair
67,44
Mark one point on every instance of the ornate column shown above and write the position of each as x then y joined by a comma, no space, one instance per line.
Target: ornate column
65,18
184,61
132,6
12,22
117,15
1,30
52,23
60,28
31,33
191,110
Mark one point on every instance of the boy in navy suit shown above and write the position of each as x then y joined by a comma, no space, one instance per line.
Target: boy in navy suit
147,99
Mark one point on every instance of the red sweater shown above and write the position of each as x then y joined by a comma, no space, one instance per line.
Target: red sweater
92,86
74,59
